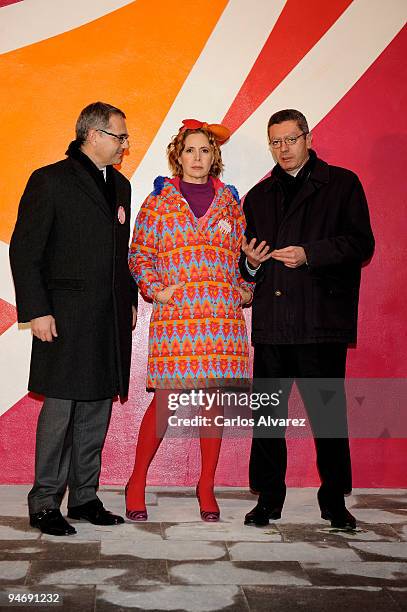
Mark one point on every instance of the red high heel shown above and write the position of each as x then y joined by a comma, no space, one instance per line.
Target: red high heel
209,516
134,515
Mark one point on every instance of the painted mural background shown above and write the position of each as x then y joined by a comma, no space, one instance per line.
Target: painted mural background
341,62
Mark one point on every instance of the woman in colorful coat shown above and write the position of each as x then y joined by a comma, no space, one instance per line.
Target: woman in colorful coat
184,256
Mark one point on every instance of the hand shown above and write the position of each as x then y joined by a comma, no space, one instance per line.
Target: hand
165,294
245,294
44,328
134,319
255,255
291,256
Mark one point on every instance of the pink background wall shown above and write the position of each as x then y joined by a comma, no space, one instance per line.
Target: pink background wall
365,130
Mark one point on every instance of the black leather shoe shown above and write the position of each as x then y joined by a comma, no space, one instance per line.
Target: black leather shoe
339,520
95,513
52,522
261,514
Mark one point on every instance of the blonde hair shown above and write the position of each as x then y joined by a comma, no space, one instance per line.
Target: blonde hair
177,145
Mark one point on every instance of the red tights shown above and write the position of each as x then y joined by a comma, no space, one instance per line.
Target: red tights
147,445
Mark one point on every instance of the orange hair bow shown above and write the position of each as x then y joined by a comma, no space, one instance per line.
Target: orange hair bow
220,132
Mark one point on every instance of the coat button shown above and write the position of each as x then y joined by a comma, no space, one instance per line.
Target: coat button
277,293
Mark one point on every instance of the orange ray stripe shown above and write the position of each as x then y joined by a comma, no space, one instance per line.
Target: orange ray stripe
136,58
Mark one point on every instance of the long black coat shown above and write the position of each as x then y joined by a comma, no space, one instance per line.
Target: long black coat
69,256
329,218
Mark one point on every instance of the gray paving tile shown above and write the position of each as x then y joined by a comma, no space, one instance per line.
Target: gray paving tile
13,572
382,501
381,551
228,598
164,549
226,572
223,531
132,571
17,528
372,516
401,531
317,599
358,573
119,573
86,532
73,598
14,500
298,551
236,493
113,499
52,550
324,533
18,550
171,509
399,595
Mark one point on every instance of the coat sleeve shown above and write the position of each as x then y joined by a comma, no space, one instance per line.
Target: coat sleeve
250,232
243,281
144,249
28,247
133,290
132,282
354,242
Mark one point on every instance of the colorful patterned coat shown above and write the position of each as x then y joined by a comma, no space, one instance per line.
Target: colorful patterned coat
200,333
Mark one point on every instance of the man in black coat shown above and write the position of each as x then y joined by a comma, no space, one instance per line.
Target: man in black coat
68,257
308,234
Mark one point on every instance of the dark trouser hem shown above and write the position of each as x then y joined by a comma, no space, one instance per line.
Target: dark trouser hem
283,364
69,443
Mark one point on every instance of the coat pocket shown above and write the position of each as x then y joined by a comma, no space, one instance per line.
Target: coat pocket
237,298
70,284
334,308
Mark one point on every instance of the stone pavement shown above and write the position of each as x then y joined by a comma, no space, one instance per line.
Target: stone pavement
176,562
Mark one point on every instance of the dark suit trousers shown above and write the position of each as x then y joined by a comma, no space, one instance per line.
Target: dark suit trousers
278,366
69,443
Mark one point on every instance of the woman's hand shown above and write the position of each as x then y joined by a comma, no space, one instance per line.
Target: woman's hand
166,294
246,295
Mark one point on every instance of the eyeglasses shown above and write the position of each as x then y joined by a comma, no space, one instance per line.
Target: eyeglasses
121,137
288,140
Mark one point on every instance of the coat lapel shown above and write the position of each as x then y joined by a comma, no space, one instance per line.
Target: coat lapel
317,177
87,184
306,190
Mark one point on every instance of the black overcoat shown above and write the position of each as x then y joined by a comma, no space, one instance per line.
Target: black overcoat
69,254
329,218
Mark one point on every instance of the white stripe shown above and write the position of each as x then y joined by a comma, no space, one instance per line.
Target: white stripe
30,21
6,281
15,344
212,83
14,365
317,83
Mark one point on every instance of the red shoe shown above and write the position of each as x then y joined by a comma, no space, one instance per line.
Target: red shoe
209,516
134,515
